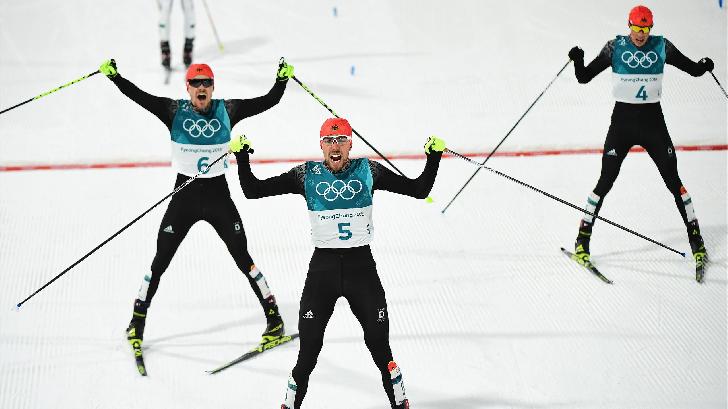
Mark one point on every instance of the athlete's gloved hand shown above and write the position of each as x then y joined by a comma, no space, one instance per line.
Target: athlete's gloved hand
241,144
434,144
108,68
285,71
707,64
576,54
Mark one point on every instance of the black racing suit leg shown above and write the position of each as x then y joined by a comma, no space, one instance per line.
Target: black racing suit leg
183,211
658,144
219,210
365,294
318,299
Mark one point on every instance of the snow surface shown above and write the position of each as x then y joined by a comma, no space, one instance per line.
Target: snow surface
485,310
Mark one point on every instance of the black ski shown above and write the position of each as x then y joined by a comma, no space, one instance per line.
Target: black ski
139,357
588,265
255,352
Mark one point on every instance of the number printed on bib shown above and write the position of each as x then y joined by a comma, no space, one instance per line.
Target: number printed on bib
637,72
345,234
340,205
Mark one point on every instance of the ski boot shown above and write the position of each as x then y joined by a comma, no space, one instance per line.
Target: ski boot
698,248
290,394
187,52
581,246
275,328
400,397
166,58
135,333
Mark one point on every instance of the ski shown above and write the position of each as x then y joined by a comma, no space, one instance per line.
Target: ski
588,265
136,346
255,352
700,273
700,270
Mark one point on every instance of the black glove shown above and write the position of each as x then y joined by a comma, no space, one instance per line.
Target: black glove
576,54
707,64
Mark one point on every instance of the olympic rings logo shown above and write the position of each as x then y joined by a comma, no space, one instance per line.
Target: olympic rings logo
339,189
201,127
639,58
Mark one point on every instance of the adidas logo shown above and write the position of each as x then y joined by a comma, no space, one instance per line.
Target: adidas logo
168,229
308,315
612,153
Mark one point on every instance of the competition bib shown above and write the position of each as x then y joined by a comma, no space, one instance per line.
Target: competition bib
340,205
199,139
637,72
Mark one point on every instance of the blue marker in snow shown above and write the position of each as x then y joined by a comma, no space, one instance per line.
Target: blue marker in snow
352,70
335,12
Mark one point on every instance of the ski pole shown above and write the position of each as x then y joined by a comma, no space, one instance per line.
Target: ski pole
718,82
212,23
352,129
504,138
482,166
176,190
49,92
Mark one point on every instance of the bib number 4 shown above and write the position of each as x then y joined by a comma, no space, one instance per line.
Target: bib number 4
642,93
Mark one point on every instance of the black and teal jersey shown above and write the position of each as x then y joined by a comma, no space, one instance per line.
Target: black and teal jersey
637,72
198,139
339,204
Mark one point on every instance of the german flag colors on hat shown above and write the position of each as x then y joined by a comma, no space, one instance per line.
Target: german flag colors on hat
640,16
335,127
199,69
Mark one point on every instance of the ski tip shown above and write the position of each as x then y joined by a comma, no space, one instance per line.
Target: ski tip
16,308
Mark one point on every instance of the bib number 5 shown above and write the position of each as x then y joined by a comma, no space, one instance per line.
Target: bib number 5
344,232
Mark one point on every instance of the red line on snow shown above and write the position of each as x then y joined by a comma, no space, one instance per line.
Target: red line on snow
153,164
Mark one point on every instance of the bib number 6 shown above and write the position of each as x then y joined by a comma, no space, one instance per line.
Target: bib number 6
202,164
204,167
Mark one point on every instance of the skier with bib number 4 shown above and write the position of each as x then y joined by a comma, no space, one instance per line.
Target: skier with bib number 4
339,195
637,63
200,131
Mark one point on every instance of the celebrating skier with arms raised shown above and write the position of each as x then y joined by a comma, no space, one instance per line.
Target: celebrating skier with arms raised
199,128
637,63
339,195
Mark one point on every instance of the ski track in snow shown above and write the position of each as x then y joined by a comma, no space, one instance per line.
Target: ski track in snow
485,311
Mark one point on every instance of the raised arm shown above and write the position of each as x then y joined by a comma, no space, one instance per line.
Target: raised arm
239,109
419,188
254,188
674,57
599,64
162,108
